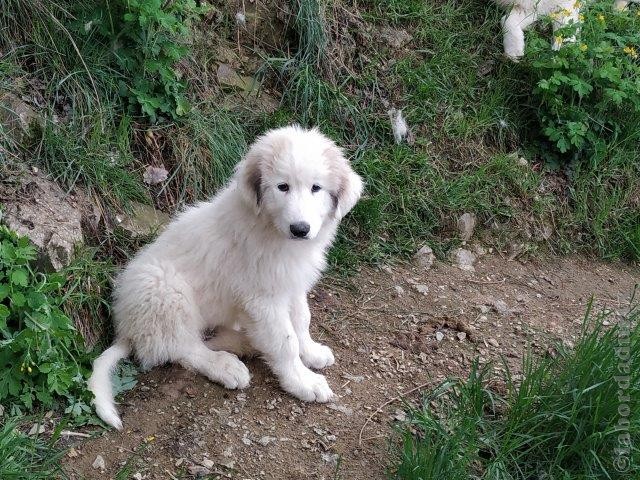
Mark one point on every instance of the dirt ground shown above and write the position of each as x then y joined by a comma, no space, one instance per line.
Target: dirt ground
392,329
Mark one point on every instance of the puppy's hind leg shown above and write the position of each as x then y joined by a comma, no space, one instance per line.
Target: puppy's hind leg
231,340
219,367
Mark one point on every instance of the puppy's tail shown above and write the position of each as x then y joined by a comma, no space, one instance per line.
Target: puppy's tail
100,382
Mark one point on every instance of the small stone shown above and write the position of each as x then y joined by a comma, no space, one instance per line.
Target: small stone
493,342
246,441
461,336
137,476
396,38
37,429
179,462
340,408
466,226
99,463
463,259
501,307
207,463
353,378
143,220
72,453
523,162
198,470
227,463
425,257
266,440
400,415
420,288
154,175
439,336
330,458
399,290
229,79
484,309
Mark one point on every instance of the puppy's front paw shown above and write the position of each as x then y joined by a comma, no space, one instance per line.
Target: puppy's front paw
318,356
232,372
306,385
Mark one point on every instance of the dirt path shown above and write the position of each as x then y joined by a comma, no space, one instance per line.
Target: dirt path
383,332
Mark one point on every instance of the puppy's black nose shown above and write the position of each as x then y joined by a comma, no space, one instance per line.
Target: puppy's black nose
299,229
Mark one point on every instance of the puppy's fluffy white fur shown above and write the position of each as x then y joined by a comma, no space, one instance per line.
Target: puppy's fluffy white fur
523,13
234,264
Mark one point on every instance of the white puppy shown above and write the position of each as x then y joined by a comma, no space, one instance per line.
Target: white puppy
523,13
243,264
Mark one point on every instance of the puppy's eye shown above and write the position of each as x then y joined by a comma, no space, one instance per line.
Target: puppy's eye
283,187
316,188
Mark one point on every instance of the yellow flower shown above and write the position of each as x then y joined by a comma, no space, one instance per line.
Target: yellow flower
554,15
566,12
584,47
581,17
577,5
600,18
631,51
559,39
150,438
29,369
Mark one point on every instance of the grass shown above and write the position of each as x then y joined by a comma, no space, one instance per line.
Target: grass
564,418
25,457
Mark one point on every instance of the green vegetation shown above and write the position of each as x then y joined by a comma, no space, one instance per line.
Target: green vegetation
42,359
26,457
589,91
568,417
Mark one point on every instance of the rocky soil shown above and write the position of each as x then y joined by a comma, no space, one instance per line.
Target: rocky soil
395,331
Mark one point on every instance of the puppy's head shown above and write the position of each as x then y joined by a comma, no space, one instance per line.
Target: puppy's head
299,179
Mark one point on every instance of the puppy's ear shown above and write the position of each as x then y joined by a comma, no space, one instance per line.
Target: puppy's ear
349,183
249,178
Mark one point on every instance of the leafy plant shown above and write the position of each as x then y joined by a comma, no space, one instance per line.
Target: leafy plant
150,43
588,93
42,358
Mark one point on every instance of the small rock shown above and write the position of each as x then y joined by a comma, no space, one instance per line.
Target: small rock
522,162
144,220
340,408
463,259
229,79
246,441
198,470
461,336
179,462
439,336
207,463
99,463
330,458
72,453
17,117
400,415
227,463
36,429
420,288
154,175
51,219
137,476
266,440
493,342
425,257
394,37
501,307
466,226
399,290
484,309
353,378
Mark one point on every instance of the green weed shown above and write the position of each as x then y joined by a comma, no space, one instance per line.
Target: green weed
569,417
41,353
25,457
